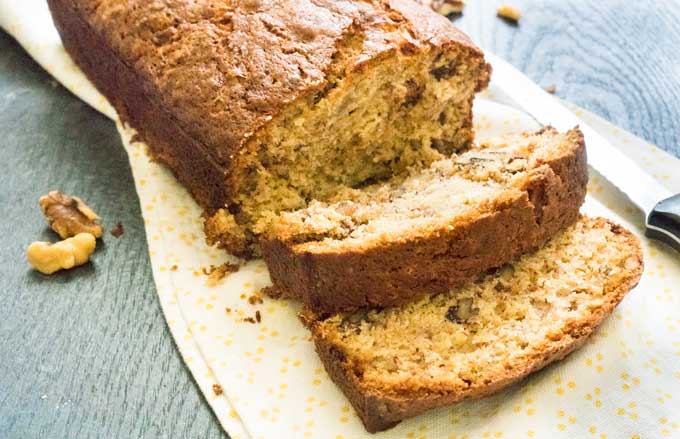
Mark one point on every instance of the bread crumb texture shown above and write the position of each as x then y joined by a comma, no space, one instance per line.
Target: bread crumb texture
450,193
271,366
492,331
259,108
373,125
623,385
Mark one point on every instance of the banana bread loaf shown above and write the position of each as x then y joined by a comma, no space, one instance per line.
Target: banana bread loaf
260,106
395,363
425,234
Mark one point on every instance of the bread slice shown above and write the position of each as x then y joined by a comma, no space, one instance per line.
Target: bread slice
260,107
395,363
425,234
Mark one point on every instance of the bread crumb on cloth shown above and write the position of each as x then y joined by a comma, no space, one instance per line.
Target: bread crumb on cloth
217,273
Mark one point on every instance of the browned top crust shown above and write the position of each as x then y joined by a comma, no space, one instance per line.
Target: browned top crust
226,68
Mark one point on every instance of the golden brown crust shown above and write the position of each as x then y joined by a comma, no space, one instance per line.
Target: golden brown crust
379,409
397,272
138,105
193,79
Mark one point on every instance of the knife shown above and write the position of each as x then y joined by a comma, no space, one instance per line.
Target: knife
662,217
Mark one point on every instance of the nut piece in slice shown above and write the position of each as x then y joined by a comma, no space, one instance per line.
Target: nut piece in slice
509,12
48,258
69,216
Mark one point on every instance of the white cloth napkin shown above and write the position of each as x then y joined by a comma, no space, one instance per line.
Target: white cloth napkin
625,383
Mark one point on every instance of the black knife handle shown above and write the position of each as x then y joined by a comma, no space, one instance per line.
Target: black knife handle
663,222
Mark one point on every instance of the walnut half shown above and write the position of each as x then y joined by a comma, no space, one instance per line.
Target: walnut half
48,258
68,216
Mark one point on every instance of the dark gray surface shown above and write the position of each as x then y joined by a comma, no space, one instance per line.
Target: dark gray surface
86,353
617,58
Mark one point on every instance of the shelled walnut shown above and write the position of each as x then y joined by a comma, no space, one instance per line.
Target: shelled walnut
69,216
48,258
509,12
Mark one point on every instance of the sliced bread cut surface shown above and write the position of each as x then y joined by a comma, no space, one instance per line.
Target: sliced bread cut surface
397,362
259,107
433,230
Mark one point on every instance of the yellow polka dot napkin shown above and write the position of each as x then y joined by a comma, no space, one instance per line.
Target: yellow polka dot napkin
263,380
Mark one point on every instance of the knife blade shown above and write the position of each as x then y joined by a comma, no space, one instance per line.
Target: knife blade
662,217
